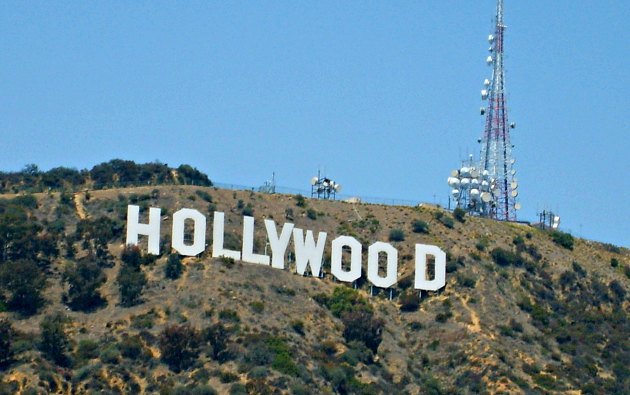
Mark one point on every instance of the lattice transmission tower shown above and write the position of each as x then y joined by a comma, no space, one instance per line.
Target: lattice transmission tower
490,189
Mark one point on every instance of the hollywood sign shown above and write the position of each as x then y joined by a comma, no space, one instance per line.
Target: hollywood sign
307,250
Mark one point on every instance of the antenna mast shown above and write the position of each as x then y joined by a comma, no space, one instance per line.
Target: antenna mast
496,149
490,189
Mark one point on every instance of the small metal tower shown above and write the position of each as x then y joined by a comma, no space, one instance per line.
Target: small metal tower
490,189
496,149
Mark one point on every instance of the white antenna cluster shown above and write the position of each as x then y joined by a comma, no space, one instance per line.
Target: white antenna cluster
324,187
476,189
269,186
548,219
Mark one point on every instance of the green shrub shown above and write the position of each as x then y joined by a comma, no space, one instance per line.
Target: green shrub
131,347
466,281
229,315
238,389
179,346
562,239
419,226
87,349
409,301
343,300
248,210
24,281
459,214
257,306
84,279
300,201
131,279
505,258
218,337
7,333
311,213
53,339
110,354
144,321
204,195
174,267
444,219
298,326
361,325
614,262
443,316
396,235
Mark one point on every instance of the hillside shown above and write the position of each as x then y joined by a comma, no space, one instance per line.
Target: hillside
524,310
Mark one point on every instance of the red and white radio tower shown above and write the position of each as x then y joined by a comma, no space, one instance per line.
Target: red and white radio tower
490,189
496,149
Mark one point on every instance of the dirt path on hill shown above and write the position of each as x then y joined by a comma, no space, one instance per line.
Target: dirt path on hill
474,326
78,204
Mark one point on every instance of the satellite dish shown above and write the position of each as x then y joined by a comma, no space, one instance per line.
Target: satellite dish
486,82
490,38
474,173
474,194
485,174
337,188
484,94
513,125
512,161
465,171
482,110
453,182
486,197
485,185
454,173
474,183
455,193
514,184
514,193
465,182
556,222
314,180
513,171
489,60
517,206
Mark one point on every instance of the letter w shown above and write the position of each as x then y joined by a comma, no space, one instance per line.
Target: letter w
306,251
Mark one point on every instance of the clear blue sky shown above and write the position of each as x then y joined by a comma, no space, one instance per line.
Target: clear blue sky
383,95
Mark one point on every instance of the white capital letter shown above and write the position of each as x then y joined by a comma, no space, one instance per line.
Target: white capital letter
421,282
248,243
199,238
217,239
355,259
152,229
306,251
392,264
278,244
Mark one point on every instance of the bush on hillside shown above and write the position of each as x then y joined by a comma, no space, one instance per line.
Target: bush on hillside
53,339
445,220
562,239
419,226
396,235
459,214
21,283
179,346
409,301
83,279
361,325
6,342
174,267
